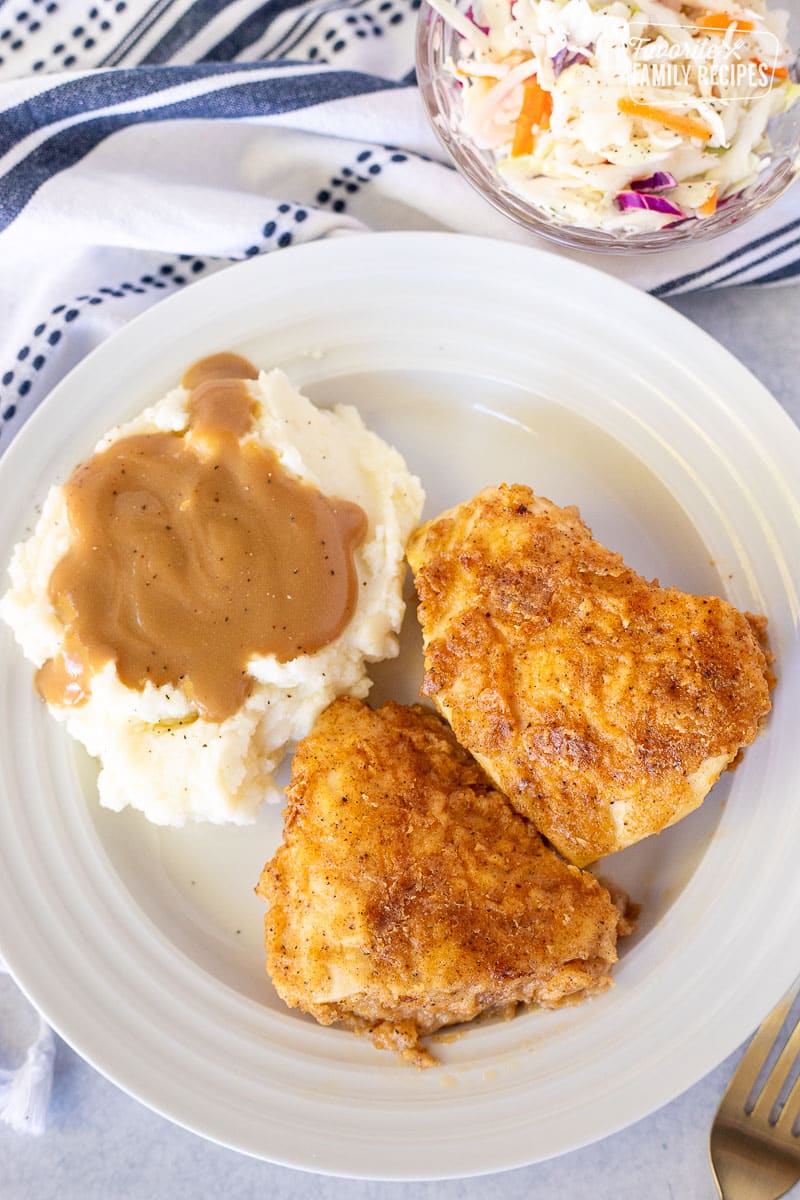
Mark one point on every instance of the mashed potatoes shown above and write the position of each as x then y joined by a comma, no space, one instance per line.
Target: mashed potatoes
157,754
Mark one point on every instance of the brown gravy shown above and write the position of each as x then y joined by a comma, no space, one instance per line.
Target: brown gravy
193,552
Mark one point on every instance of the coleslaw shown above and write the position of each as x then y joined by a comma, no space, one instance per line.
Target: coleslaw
634,114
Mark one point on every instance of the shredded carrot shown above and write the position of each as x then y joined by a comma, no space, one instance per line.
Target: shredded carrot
649,112
721,22
461,71
708,208
775,72
537,104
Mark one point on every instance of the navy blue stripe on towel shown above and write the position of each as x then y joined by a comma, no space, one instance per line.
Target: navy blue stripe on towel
672,285
103,90
184,29
266,97
135,35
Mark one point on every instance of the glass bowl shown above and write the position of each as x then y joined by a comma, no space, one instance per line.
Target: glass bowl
437,42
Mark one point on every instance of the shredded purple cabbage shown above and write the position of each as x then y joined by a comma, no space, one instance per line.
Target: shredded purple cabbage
470,15
567,58
653,203
658,181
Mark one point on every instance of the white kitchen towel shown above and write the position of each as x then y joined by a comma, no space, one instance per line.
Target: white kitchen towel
147,145
25,1090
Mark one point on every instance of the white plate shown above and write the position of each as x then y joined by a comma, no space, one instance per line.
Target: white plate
481,361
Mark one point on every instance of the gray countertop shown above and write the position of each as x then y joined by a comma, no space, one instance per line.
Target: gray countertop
101,1145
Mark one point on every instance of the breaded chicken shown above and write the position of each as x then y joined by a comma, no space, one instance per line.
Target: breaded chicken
409,895
604,706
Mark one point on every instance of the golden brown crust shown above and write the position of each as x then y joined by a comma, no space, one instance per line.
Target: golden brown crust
603,705
409,895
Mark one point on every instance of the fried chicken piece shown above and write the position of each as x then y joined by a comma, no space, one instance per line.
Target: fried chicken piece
604,706
408,894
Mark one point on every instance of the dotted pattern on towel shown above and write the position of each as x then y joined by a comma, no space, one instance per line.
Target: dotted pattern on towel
17,379
83,35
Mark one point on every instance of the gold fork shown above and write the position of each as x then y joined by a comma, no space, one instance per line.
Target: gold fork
754,1153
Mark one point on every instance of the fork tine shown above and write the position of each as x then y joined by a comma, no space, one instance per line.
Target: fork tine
777,1077
791,1109
757,1052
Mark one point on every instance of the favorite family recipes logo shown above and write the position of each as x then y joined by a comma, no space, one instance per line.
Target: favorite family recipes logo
721,69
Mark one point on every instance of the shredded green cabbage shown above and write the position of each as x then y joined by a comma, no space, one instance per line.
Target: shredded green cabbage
659,85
